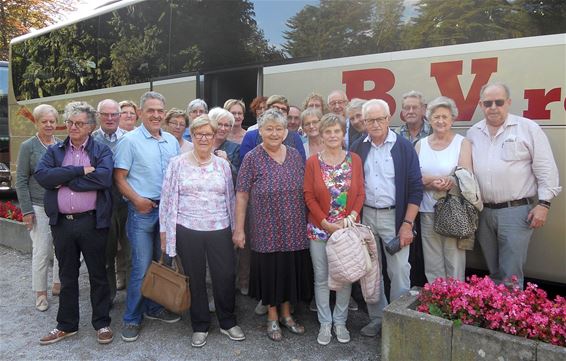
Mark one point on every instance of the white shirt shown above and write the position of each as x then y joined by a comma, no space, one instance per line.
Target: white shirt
379,177
516,163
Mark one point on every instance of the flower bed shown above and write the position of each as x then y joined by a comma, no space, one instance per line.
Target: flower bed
408,334
480,302
10,211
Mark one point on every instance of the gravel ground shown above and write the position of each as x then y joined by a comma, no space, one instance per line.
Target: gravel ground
22,325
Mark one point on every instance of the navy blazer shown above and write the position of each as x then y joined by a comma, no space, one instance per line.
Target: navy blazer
50,174
408,178
253,139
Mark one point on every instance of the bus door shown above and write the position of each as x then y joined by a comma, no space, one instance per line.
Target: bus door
242,83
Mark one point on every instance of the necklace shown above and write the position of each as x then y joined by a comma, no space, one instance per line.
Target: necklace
45,145
334,162
198,161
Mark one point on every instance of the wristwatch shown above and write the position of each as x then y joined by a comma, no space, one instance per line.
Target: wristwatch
409,222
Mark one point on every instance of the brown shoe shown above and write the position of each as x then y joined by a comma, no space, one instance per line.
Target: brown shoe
55,336
105,335
56,289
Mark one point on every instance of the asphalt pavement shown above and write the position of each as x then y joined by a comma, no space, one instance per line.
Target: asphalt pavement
22,325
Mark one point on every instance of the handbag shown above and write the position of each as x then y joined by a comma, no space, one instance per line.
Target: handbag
455,216
167,286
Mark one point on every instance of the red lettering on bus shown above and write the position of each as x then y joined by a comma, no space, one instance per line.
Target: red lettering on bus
383,81
538,99
446,74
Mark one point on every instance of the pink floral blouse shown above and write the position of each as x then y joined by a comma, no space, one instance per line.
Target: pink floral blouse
198,198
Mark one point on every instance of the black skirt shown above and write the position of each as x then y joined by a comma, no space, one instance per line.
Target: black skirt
280,277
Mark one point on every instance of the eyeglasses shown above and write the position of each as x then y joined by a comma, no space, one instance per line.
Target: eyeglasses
227,125
128,114
408,108
205,136
177,124
109,115
489,103
337,102
380,120
70,123
271,130
280,108
311,124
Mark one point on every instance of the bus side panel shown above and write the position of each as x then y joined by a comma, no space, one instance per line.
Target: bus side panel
177,92
535,74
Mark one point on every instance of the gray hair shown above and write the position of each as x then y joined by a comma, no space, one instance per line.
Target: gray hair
75,108
201,121
329,120
413,94
272,115
218,113
151,95
499,84
196,103
355,104
341,92
375,102
42,110
107,101
442,102
310,112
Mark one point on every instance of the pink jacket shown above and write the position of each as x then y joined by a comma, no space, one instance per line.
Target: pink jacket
348,261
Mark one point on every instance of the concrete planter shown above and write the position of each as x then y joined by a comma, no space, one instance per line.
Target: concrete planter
411,335
14,234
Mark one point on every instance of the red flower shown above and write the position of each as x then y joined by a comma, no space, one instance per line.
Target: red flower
10,211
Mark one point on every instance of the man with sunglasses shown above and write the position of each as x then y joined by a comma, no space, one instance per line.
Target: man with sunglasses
77,176
514,166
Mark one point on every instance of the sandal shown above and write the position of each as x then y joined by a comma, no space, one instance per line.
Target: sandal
292,325
273,330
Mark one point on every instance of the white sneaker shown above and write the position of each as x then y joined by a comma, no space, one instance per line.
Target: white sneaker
41,303
324,334
353,305
342,333
199,339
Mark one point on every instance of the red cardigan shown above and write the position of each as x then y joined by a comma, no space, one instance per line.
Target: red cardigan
317,196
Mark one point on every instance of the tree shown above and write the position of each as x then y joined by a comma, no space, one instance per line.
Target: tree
387,25
18,17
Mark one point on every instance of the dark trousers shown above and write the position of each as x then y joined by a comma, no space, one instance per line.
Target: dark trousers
117,234
71,238
194,249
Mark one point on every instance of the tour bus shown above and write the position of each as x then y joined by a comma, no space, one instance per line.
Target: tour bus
217,50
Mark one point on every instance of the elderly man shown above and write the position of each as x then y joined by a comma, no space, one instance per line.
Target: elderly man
294,119
394,191
77,176
140,162
355,126
337,101
109,133
413,110
506,146
195,108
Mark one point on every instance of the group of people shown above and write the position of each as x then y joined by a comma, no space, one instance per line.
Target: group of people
196,184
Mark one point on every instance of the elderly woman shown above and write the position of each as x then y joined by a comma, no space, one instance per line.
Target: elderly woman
203,233
238,110
195,108
258,106
128,115
176,122
30,197
334,191
269,180
314,100
439,154
222,147
310,120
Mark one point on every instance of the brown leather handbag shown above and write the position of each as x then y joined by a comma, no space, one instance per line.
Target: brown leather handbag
167,286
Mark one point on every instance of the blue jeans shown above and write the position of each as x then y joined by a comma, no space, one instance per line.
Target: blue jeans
143,233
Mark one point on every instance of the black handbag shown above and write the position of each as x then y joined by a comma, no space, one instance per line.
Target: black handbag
455,216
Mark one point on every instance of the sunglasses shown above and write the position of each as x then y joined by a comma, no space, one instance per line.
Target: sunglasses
489,103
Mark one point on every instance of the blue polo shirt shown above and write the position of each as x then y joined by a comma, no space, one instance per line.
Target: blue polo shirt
146,159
